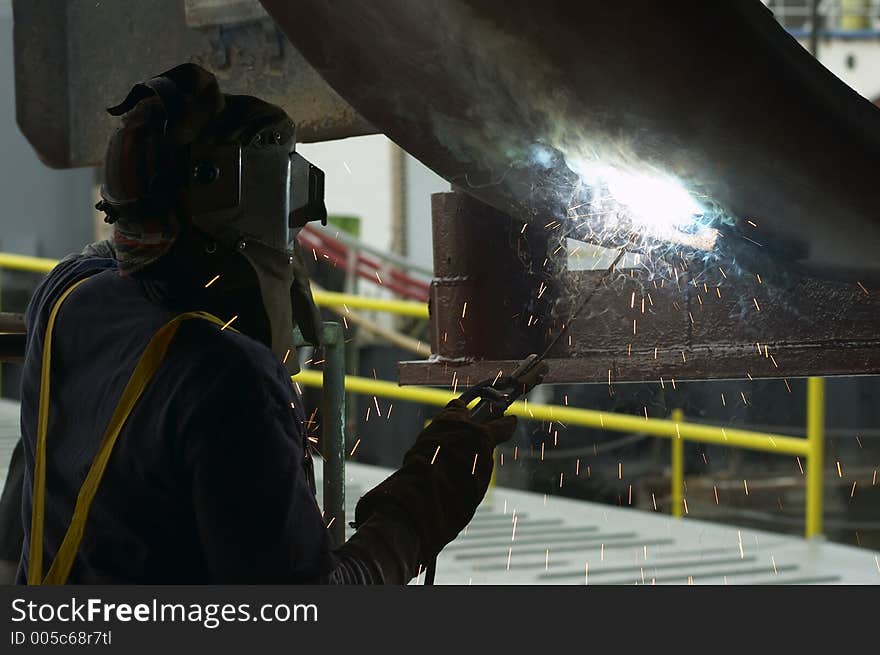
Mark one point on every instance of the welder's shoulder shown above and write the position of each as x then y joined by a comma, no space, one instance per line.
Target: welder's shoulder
234,361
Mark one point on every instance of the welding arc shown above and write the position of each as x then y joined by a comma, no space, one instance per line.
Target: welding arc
583,304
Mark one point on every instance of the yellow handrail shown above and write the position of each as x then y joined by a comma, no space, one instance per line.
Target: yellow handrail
774,443
323,298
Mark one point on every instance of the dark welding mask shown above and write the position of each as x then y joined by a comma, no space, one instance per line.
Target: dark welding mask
230,163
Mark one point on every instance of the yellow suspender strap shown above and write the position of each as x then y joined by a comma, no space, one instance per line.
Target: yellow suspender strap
147,365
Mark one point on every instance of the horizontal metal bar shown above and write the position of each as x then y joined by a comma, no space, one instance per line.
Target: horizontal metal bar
766,442
26,263
325,298
400,307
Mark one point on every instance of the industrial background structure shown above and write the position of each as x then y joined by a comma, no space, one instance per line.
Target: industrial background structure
715,334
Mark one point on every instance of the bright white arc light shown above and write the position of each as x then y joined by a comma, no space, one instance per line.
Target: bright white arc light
655,204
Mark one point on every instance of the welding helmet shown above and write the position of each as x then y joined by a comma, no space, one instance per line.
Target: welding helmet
190,157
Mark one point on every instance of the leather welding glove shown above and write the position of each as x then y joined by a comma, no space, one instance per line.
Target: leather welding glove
443,478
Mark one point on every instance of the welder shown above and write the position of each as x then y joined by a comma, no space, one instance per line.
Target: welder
164,441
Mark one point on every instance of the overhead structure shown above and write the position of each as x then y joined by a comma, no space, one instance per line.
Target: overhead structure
525,104
74,58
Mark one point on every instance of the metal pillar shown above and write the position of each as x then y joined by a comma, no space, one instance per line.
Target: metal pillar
333,430
815,463
677,476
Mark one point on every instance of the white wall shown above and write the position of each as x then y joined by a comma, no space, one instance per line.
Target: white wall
862,73
358,182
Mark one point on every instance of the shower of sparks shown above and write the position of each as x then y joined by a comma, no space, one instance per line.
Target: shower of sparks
228,323
212,281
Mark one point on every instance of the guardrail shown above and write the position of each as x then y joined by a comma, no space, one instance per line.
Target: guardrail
676,429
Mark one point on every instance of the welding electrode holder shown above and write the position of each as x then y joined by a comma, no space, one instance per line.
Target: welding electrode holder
497,395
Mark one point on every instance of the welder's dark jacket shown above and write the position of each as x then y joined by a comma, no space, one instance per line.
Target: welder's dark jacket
210,479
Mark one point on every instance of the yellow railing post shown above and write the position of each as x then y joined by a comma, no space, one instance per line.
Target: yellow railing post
677,476
815,457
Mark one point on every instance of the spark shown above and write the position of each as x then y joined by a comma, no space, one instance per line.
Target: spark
742,554
684,361
746,486
752,223
509,553
757,306
634,326
347,167
513,534
620,470
772,559
586,573
874,481
378,278
577,467
228,323
474,467
715,487
602,552
390,407
800,466
787,385
723,402
464,308
212,281
434,459
839,472
286,355
853,490
331,522
862,287
547,560
743,395
560,480
654,502
356,444
685,501
723,274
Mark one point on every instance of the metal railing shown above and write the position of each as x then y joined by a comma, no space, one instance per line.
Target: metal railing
835,18
676,428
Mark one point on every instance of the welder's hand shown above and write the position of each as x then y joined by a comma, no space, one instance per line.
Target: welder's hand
444,477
